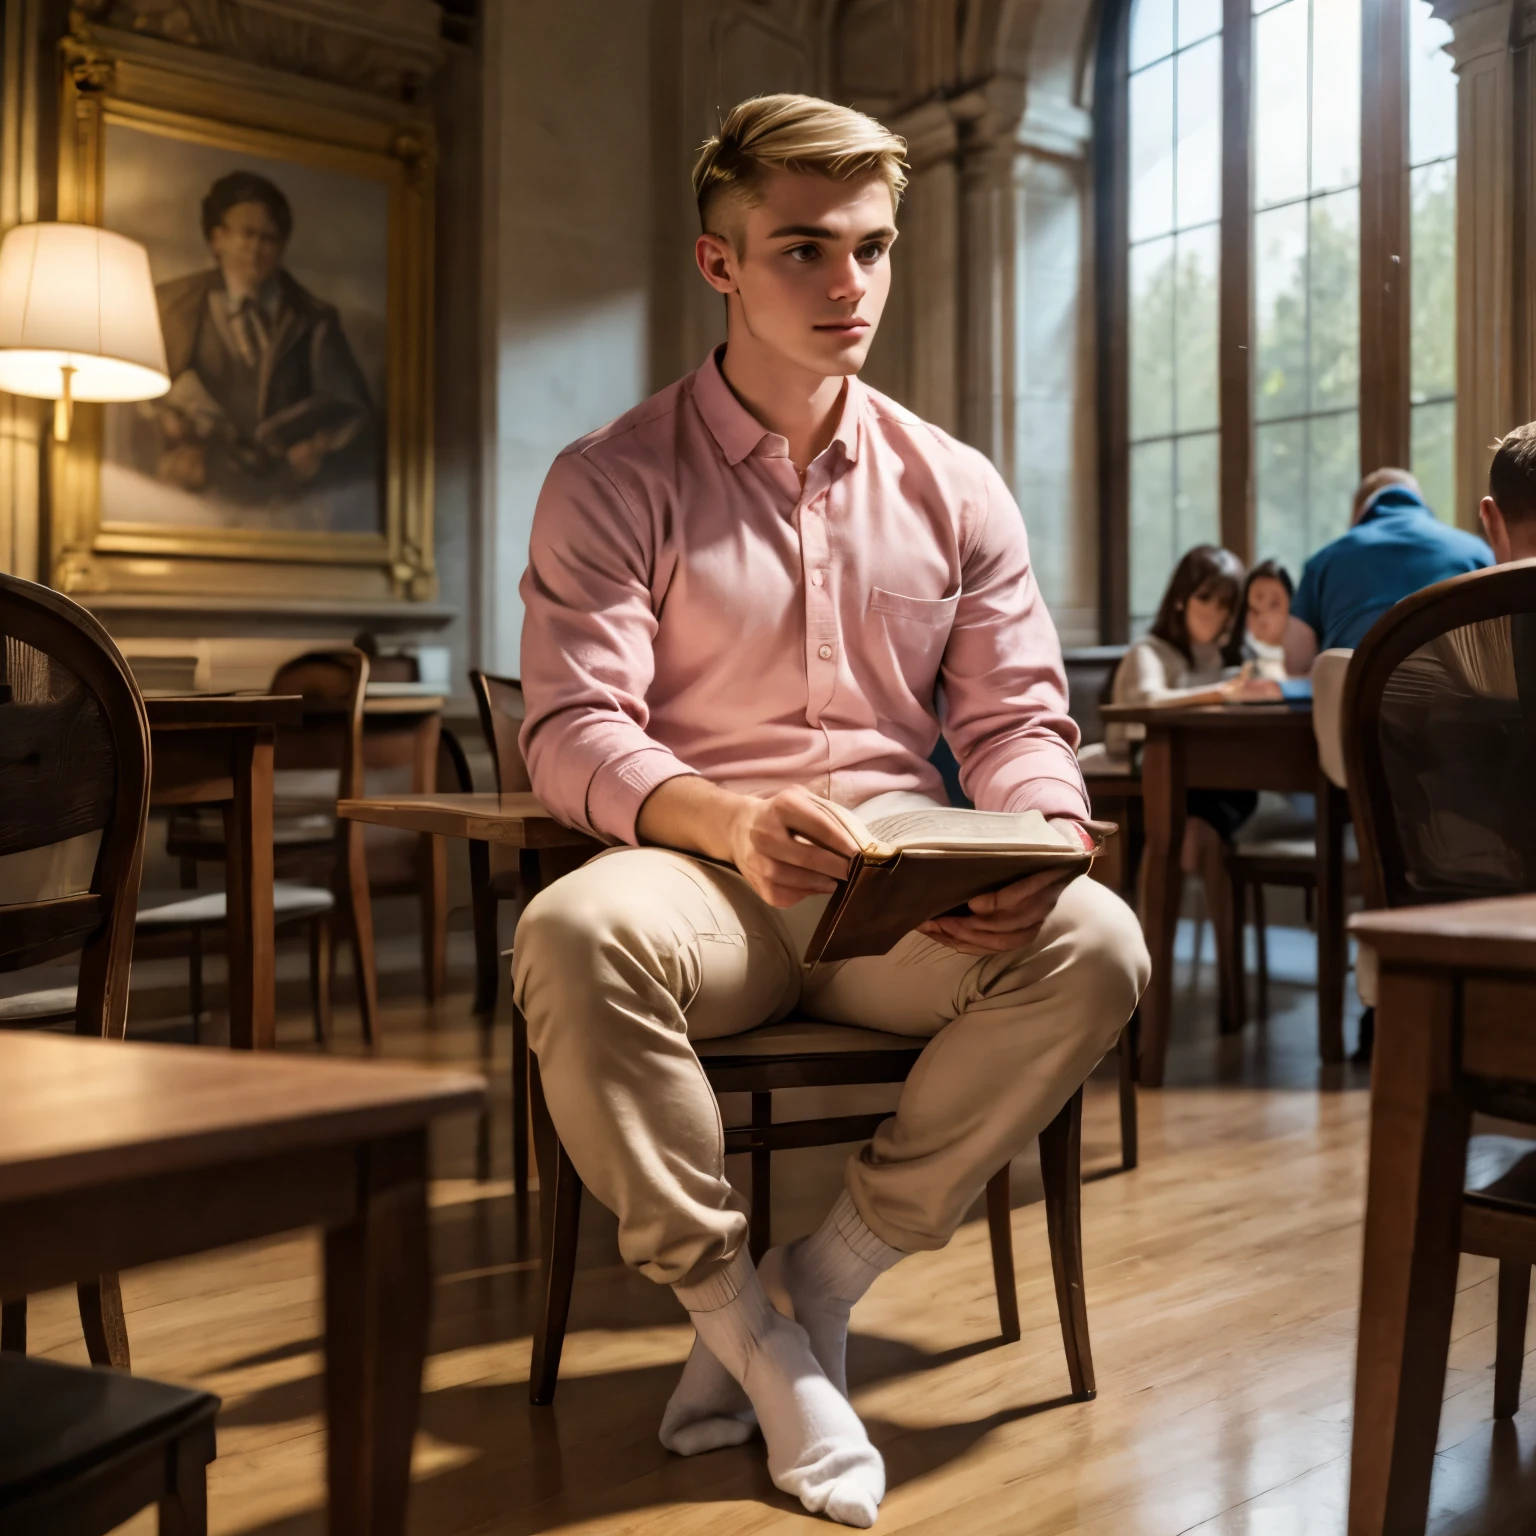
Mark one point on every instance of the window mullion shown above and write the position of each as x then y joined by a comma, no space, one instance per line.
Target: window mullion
1236,292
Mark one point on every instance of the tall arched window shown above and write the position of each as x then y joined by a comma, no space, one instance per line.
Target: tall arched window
1260,160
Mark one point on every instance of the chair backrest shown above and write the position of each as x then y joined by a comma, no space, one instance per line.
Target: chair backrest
501,718
333,685
1090,673
74,763
1440,741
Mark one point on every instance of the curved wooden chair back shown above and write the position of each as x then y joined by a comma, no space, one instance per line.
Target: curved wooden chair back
501,718
1440,741
333,685
74,759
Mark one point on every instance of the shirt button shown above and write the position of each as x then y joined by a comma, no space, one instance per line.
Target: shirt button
817,578
825,653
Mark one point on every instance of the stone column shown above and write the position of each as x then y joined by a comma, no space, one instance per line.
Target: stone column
1491,347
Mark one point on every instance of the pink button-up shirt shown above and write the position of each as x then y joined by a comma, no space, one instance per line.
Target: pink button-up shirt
691,608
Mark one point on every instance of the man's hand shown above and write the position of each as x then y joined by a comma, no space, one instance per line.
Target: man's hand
1012,917
787,847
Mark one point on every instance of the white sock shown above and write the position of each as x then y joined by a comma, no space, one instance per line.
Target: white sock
817,1448
707,1409
817,1280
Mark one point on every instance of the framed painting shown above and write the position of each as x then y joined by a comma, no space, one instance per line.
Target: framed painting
288,227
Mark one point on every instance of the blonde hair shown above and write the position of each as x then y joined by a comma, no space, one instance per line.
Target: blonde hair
793,133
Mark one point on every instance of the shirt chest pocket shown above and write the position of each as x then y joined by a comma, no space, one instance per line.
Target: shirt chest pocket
912,632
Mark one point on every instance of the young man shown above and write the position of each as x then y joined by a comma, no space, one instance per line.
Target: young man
1508,511
742,600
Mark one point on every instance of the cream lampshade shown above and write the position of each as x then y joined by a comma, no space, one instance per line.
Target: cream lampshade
78,318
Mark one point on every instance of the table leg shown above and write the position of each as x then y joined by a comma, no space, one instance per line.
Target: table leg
1332,941
1419,1127
1162,788
377,1299
431,866
248,887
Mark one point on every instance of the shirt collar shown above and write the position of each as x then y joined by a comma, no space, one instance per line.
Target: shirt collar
1392,498
739,432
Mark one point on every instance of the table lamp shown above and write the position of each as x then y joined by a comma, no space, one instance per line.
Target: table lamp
78,318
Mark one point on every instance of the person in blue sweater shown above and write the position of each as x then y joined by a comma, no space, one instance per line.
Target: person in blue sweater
1395,546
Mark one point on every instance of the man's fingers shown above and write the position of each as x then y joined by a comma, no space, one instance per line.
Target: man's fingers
792,877
800,853
805,814
1012,898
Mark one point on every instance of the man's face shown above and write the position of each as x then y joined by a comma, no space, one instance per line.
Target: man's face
247,245
809,265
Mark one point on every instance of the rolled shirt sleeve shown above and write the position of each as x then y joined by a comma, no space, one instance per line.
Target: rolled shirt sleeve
587,659
1004,685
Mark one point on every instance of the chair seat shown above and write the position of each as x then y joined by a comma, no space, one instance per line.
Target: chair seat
168,909
804,1037
51,1005
1501,1170
59,1421
1298,851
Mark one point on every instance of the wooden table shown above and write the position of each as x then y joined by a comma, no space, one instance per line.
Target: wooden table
114,1155
212,748
402,725
1455,1031
1231,746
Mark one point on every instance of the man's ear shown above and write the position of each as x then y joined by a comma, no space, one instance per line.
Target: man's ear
717,261
1495,529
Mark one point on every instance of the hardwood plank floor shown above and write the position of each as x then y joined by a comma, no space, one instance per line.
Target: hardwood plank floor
1222,1280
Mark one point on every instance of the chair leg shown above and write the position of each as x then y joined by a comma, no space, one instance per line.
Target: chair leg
560,1221
1509,1355
520,1094
101,1316
1130,1151
1061,1166
760,1218
484,906
195,982
358,902
1261,939
320,968
13,1326
184,1509
1000,1230
1231,988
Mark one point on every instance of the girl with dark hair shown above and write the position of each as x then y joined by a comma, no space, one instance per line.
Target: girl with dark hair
1258,641
1180,661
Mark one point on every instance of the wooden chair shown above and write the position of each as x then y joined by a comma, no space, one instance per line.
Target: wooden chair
806,1054
74,762
81,1452
309,839
498,874
1440,751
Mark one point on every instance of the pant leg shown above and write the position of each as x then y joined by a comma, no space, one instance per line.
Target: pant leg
1013,1037
615,966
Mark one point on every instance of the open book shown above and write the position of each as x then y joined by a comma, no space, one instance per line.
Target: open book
917,865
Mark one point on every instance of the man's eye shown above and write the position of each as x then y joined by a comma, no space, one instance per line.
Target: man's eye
802,253
872,252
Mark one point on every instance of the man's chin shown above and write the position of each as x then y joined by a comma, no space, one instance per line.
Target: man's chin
841,355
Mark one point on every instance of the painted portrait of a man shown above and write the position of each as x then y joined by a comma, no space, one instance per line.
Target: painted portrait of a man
272,285
265,394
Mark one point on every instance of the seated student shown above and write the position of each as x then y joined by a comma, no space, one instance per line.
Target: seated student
1395,545
1258,641
741,600
1180,659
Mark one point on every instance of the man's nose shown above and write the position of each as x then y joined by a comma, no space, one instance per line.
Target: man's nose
847,281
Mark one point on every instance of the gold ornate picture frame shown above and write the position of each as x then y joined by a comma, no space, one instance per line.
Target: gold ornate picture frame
184,109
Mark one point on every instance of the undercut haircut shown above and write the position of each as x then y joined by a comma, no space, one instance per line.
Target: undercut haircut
791,133
1512,475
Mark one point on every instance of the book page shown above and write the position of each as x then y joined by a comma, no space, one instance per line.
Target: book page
944,827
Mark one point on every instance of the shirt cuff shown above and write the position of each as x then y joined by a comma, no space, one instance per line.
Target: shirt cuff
621,786
1052,798
1296,690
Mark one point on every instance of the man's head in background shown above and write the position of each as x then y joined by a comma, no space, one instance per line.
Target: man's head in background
1375,483
1508,511
797,201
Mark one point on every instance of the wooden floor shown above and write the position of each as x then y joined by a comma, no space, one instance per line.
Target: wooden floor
1222,1287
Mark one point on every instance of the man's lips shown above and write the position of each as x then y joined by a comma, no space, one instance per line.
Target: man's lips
844,327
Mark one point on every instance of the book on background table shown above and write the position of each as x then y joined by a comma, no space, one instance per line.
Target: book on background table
917,865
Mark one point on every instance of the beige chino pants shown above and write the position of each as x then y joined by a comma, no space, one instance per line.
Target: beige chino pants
620,965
